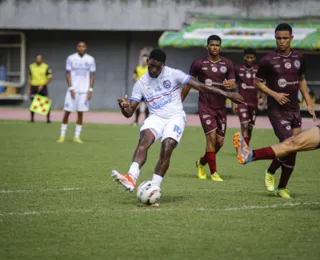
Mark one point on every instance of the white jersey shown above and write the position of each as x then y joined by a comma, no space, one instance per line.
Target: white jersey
162,94
80,68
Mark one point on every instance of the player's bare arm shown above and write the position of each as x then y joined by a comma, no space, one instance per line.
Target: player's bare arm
305,93
73,94
92,75
29,86
233,96
229,84
127,109
281,98
184,93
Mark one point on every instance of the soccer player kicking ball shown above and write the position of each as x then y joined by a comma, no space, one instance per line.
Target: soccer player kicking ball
80,69
306,141
283,70
160,88
215,72
245,75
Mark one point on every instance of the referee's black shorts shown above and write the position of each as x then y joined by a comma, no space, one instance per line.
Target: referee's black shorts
34,91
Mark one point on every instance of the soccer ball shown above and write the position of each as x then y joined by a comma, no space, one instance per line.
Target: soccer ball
148,193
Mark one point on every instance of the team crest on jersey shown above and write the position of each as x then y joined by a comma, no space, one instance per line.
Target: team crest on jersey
287,65
208,82
248,75
167,84
243,85
297,64
214,69
223,69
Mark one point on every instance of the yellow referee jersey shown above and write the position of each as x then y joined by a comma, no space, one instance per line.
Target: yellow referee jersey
39,74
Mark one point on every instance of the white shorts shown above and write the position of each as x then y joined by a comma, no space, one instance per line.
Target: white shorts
80,103
165,128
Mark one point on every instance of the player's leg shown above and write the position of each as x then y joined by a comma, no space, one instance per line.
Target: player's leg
306,141
82,105
243,114
137,115
69,106
172,135
149,133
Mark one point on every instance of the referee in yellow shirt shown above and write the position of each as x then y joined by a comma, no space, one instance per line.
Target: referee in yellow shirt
137,74
40,75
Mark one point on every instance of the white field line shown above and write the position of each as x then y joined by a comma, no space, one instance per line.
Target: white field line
156,209
20,191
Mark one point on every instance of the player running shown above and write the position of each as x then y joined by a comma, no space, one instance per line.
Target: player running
247,112
215,72
160,88
305,141
284,73
80,69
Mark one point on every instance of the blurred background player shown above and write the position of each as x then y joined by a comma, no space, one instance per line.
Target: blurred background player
284,72
40,75
305,141
80,69
137,74
215,72
247,113
167,118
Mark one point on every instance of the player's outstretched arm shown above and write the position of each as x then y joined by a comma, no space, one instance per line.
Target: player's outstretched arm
184,93
305,93
281,98
233,96
127,109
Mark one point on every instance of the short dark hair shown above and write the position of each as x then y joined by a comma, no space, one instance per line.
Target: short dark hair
214,38
158,55
145,55
284,27
251,51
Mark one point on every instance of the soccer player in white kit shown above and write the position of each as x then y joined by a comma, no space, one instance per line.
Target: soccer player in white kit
80,69
160,88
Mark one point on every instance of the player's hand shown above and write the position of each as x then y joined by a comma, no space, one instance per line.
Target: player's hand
89,95
260,101
281,98
236,97
312,112
234,108
123,102
73,94
40,88
228,84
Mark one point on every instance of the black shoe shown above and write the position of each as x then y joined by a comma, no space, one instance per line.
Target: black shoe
49,122
31,121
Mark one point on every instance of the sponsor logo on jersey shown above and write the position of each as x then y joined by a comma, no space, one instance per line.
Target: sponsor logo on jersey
241,74
204,68
167,84
205,61
208,82
223,69
297,64
276,66
283,122
282,83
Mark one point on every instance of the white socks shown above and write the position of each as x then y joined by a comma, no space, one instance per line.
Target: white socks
157,179
134,171
78,131
63,130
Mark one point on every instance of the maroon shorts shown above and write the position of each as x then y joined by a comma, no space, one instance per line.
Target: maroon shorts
247,114
283,122
213,119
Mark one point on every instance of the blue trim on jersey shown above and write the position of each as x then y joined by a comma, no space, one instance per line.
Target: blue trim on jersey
187,80
162,94
135,99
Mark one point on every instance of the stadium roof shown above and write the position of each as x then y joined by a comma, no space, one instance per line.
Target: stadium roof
240,32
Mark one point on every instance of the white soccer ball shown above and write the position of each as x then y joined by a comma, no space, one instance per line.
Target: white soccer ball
148,193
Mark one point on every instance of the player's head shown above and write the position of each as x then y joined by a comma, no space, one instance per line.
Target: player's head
38,58
249,56
214,45
157,59
145,58
82,48
283,35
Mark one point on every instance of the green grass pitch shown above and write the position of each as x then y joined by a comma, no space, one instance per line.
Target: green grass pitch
197,219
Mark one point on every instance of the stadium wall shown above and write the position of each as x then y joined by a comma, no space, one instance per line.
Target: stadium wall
137,14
